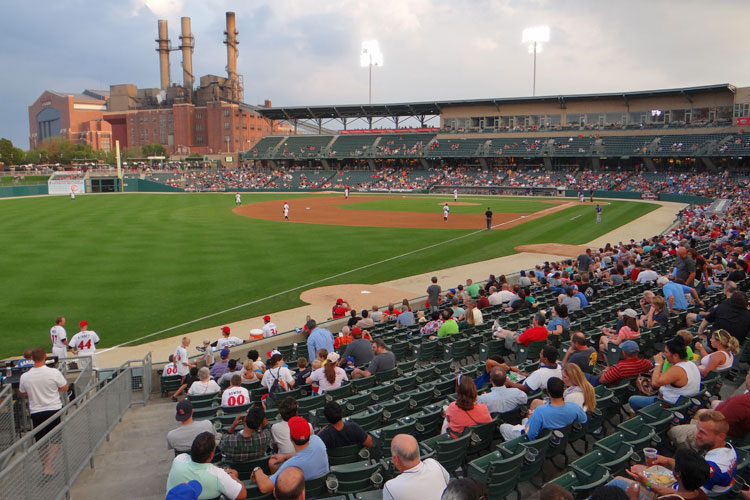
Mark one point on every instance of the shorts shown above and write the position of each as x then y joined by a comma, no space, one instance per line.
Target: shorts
41,417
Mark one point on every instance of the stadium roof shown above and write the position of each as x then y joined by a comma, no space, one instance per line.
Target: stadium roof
434,107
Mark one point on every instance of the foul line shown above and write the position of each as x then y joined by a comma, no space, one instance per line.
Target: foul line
366,266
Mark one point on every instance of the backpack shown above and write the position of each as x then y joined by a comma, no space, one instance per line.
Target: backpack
278,385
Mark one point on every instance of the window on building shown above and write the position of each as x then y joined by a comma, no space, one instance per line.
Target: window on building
198,116
227,112
226,125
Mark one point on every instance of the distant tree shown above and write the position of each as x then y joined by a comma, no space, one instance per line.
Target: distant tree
9,154
154,150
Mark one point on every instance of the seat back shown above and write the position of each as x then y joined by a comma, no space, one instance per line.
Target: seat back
369,419
244,469
343,454
362,384
357,476
381,377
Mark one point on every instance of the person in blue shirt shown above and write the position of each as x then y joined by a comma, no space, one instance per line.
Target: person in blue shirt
581,296
675,292
319,338
309,456
556,414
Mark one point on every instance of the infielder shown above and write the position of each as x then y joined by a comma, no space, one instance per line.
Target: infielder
59,338
488,216
598,214
346,192
446,211
237,199
84,342
286,211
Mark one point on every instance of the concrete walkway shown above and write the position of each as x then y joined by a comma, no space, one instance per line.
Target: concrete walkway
135,462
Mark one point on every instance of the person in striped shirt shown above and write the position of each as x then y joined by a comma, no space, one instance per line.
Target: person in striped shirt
628,331
629,367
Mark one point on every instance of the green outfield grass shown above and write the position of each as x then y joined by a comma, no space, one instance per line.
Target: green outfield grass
135,264
433,204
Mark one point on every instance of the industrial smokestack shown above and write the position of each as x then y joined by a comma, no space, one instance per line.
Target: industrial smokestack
163,50
187,44
231,41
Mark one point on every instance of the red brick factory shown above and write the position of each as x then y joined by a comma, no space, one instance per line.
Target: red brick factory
211,119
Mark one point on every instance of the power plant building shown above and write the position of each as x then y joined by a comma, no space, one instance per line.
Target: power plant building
209,119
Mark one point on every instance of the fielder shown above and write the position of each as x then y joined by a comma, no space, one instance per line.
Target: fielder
346,192
446,211
84,342
286,211
59,338
598,214
237,199
455,195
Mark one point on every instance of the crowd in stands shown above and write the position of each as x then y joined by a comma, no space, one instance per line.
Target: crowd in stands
659,322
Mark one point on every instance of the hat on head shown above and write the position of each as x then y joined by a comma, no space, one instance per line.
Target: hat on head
299,429
266,318
275,351
629,347
225,329
184,410
224,353
185,491
356,331
206,341
333,357
630,313
663,280
83,323
339,301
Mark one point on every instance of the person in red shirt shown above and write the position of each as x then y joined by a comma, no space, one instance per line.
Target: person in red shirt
483,300
629,367
340,310
537,332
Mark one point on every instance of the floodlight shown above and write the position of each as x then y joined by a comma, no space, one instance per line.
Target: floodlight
369,57
535,36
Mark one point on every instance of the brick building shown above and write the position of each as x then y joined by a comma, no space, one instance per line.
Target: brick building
75,117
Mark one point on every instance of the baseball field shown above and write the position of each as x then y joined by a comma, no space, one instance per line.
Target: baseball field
138,264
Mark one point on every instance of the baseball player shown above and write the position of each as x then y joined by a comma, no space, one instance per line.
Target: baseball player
286,211
488,216
59,338
598,214
237,199
269,328
446,211
84,342
346,192
455,195
225,342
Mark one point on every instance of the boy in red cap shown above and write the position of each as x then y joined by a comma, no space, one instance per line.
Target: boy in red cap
310,456
84,342
269,328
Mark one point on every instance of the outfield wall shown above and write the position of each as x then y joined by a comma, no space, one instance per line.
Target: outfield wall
10,191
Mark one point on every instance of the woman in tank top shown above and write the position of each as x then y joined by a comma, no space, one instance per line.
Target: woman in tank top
725,347
681,379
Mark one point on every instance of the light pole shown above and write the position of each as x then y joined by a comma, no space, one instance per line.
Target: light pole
370,56
535,37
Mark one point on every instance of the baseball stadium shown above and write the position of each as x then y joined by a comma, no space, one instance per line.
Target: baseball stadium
550,293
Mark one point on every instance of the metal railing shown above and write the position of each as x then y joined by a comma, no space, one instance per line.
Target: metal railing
46,466
8,431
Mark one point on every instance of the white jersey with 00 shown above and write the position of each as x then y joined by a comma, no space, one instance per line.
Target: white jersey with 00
170,370
235,396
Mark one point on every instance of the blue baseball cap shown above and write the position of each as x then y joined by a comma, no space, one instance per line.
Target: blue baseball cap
224,353
185,491
629,347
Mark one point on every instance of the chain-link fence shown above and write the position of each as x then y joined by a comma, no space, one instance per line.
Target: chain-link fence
8,429
46,462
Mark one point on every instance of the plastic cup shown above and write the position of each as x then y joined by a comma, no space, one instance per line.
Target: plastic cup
650,454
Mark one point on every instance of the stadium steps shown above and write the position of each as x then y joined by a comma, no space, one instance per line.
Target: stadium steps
135,459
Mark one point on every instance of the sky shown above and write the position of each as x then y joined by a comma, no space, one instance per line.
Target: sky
306,52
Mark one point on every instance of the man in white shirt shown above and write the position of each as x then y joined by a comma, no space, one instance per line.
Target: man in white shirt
269,328
235,395
505,295
548,368
84,342
225,342
419,480
42,386
59,338
502,399
647,275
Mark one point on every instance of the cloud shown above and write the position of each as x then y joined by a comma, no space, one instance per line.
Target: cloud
161,8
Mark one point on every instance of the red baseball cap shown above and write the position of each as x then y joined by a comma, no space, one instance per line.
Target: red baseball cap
339,301
356,331
83,323
266,318
225,329
299,429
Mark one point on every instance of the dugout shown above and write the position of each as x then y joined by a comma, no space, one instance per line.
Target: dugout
103,183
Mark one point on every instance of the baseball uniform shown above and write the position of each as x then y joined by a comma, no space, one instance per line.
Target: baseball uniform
269,330
235,396
182,361
58,335
446,210
227,342
85,343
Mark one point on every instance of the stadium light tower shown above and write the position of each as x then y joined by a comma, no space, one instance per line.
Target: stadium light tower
370,56
535,37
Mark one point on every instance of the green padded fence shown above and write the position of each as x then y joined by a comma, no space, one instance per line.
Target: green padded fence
7,192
